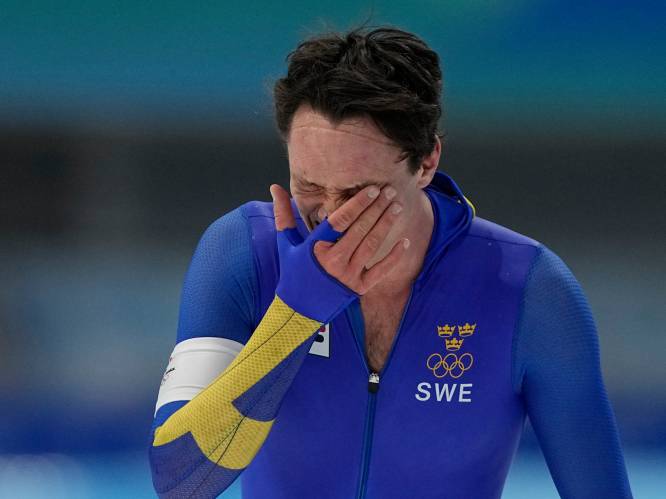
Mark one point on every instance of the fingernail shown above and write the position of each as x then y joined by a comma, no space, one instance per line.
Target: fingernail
373,192
390,192
406,243
321,213
396,208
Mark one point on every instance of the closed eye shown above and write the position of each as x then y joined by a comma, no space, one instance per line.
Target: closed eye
347,195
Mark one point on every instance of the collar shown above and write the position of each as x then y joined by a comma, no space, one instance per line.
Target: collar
453,213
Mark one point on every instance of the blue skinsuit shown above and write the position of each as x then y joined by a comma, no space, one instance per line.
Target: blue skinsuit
496,328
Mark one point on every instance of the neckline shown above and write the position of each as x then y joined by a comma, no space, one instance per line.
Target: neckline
436,216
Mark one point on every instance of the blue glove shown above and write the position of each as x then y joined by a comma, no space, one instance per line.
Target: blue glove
304,285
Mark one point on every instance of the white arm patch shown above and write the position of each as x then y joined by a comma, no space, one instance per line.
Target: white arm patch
193,365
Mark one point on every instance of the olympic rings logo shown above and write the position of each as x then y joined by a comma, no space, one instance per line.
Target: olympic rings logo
449,364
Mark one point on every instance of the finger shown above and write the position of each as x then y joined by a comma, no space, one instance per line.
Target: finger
344,216
284,216
325,232
373,241
364,223
320,248
384,267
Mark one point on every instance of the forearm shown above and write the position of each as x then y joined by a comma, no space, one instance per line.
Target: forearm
204,446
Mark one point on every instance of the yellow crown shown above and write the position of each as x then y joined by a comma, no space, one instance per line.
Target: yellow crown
453,344
467,329
446,330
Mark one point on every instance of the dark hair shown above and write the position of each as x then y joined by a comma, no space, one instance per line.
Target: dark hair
387,74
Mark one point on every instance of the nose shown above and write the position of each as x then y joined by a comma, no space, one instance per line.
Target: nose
319,216
328,205
332,203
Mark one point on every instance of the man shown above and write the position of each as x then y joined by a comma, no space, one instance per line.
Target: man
375,338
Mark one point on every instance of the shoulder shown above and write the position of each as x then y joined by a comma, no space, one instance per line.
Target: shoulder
544,272
485,229
546,262
233,246
261,222
242,227
552,283
257,209
500,251
253,210
228,225
546,268
261,241
241,217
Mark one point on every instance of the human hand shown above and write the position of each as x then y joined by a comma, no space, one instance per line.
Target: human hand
330,264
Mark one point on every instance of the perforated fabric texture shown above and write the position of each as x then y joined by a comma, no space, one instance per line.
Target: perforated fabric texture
220,289
557,370
220,419
262,401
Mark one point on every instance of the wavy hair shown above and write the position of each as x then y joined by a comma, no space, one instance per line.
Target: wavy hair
387,74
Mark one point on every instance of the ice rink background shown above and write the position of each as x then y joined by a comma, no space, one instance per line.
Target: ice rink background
125,129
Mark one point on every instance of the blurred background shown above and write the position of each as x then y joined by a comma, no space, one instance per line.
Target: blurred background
127,127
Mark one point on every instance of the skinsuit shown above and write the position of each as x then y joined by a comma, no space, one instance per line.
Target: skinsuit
496,328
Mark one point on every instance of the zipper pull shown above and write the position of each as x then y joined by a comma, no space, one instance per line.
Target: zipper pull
373,382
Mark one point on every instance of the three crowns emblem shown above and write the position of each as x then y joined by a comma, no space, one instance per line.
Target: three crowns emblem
447,331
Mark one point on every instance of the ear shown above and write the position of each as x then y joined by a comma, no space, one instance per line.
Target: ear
429,164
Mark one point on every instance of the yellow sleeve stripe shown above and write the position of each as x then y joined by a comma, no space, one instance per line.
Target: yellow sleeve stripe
222,433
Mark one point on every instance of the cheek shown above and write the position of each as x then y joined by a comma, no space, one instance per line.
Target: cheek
308,207
307,204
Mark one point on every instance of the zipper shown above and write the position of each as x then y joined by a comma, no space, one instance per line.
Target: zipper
373,382
373,389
